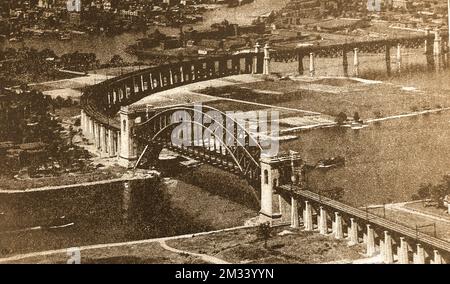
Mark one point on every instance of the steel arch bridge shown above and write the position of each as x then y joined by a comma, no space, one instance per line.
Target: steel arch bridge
207,135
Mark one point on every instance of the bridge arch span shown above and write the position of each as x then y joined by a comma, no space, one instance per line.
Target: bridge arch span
234,150
116,137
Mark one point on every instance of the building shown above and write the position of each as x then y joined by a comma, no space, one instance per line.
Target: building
400,4
107,6
74,18
171,2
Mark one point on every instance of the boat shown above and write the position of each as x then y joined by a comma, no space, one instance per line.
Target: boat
15,39
358,125
65,37
332,162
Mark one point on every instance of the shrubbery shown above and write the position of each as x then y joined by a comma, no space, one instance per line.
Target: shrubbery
341,118
436,193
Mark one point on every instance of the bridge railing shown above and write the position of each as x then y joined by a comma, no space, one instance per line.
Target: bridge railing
105,99
364,216
366,58
335,50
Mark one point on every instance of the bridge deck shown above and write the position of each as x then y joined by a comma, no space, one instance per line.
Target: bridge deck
370,218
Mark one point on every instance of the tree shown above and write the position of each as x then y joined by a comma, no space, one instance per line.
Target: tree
437,194
117,60
446,183
72,134
47,53
424,191
341,118
264,232
356,117
377,114
58,102
68,102
335,193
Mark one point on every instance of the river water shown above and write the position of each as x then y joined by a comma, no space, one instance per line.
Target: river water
105,46
389,160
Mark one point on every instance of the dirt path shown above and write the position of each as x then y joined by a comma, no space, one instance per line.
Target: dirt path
64,251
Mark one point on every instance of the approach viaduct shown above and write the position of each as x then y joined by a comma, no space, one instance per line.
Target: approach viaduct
116,128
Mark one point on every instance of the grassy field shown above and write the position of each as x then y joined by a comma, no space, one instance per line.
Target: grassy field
244,246
8,183
330,97
411,220
369,101
237,246
431,210
151,253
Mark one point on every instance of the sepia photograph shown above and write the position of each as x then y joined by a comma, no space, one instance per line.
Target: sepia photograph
244,132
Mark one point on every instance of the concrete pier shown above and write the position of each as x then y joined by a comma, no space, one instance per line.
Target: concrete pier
437,258
437,50
266,60
427,44
388,253
355,62
399,58
370,241
338,232
388,60
353,232
419,255
345,62
308,218
127,155
301,69
312,68
83,120
294,213
402,252
322,224
103,148
111,143
126,200
255,58
437,47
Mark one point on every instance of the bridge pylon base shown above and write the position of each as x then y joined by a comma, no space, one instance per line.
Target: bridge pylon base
262,218
127,163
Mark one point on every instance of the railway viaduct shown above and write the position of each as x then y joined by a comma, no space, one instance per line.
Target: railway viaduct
117,128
